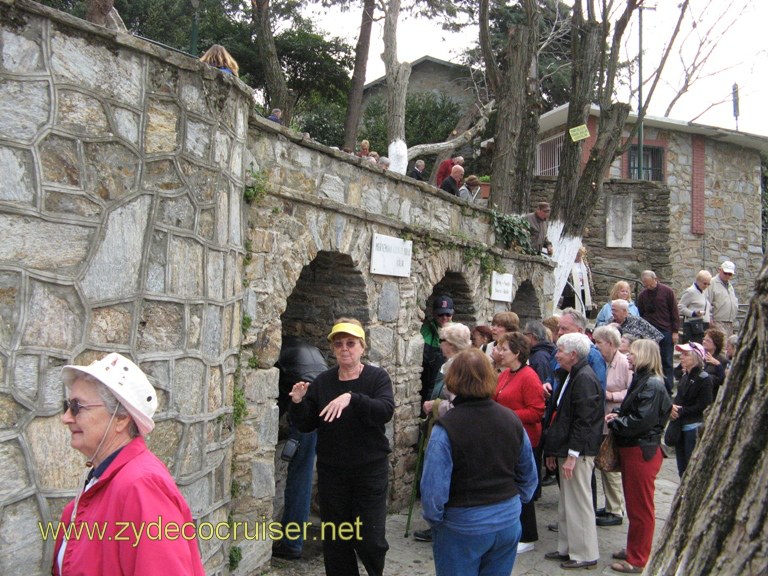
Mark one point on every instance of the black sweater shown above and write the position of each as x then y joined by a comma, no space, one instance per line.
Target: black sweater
357,436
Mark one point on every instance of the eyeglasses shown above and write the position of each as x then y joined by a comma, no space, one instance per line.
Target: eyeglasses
344,343
75,406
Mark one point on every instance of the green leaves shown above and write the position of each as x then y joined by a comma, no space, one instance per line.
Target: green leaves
513,232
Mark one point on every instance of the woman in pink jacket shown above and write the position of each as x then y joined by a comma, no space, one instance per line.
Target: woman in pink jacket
129,517
519,389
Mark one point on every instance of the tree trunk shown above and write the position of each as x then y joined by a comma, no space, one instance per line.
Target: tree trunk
585,57
464,124
103,13
355,99
458,140
277,88
398,74
717,521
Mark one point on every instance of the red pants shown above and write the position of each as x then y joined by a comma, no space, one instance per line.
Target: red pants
638,478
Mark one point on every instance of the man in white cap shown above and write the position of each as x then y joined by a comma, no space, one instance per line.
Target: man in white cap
725,304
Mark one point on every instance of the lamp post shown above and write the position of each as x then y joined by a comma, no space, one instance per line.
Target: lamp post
195,24
640,90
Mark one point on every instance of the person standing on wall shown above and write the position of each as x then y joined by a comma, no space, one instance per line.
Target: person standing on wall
725,304
349,406
658,305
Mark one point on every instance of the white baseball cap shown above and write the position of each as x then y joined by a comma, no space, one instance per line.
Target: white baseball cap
728,267
126,381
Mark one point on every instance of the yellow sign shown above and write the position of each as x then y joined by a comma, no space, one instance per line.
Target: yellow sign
579,133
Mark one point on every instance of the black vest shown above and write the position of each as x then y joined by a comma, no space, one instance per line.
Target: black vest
486,439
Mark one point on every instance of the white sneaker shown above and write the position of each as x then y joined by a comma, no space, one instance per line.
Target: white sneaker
525,547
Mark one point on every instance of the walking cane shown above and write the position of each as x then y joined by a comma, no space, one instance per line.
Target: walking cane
419,459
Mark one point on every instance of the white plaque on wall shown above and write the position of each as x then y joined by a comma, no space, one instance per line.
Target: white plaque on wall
618,221
391,256
501,287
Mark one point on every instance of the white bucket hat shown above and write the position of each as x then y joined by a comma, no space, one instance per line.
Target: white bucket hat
126,381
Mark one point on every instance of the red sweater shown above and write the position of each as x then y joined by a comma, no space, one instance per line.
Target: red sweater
135,488
523,393
443,171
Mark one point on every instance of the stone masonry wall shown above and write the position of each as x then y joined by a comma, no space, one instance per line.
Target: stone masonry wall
121,230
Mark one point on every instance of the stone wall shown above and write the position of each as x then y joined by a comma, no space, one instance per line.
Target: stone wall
121,229
124,229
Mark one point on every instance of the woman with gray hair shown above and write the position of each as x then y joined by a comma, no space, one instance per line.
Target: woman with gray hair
618,378
108,411
454,338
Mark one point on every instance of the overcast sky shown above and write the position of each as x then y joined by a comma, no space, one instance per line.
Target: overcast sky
743,51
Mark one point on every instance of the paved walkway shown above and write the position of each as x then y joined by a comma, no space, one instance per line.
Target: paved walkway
407,557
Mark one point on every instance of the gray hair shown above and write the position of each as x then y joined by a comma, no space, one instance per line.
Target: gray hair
383,161
733,340
456,334
620,303
537,330
609,334
578,343
420,163
578,318
648,274
111,403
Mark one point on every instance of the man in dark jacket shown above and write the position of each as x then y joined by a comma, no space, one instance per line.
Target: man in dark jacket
452,183
541,349
571,443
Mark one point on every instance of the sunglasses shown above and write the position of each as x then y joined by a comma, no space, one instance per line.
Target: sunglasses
344,343
75,406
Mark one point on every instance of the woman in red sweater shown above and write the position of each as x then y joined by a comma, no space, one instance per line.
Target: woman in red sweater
519,389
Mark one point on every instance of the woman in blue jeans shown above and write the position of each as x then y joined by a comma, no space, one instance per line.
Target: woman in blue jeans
478,469
694,394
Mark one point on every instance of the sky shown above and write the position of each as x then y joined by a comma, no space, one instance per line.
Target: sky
741,54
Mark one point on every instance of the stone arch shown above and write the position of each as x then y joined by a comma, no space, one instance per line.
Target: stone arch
454,284
526,304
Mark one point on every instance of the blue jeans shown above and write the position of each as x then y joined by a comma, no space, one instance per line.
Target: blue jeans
298,486
492,554
684,449
667,349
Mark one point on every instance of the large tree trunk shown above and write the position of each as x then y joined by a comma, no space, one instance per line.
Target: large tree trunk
103,13
277,89
355,99
510,88
717,521
398,74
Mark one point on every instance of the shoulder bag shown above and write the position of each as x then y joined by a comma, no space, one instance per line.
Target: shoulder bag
607,458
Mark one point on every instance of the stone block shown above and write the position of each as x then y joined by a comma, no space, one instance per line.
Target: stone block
114,270
195,327
156,263
389,302
235,216
63,203
165,440
222,211
10,307
178,212
206,224
21,547
23,123
332,187
47,436
381,345
110,325
54,317
21,50
36,244
161,327
11,412
212,332
81,114
18,170
14,477
203,183
214,277
221,147
198,495
215,389
162,176
189,379
127,123
162,133
185,267
260,385
192,450
197,140
111,170
191,92
263,478
83,62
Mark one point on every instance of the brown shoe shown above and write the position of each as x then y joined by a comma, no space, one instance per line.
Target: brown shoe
576,564
620,555
626,568
556,556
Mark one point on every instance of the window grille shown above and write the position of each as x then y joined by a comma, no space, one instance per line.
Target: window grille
548,156
653,163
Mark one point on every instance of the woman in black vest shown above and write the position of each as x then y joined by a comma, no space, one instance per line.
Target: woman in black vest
471,490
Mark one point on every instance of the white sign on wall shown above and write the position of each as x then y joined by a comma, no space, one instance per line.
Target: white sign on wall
501,287
391,256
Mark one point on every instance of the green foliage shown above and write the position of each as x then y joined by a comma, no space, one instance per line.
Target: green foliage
256,189
246,323
512,231
239,405
323,120
253,362
428,118
235,555
488,261
485,179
